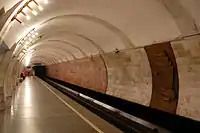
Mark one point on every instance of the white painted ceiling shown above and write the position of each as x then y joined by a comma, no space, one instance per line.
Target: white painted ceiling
73,29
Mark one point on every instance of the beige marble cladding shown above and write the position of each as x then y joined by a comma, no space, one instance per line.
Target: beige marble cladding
129,75
188,61
88,73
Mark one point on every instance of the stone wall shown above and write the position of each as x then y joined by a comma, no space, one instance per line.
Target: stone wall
188,61
88,73
129,75
164,76
3,69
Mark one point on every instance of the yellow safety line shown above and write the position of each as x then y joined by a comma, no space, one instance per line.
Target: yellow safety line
85,119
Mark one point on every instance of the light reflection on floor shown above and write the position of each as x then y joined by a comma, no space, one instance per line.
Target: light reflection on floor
31,112
27,98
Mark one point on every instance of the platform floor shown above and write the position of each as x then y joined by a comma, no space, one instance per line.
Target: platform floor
38,108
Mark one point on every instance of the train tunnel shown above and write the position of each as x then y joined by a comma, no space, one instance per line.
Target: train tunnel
140,56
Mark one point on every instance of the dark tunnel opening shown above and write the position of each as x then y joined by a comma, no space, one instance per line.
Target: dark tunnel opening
40,71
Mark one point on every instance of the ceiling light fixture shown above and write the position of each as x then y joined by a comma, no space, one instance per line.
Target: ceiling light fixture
33,36
26,47
40,8
27,17
46,1
27,42
34,12
25,9
22,41
28,59
25,38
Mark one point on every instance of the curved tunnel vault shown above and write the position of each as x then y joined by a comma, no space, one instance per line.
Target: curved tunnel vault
90,42
144,55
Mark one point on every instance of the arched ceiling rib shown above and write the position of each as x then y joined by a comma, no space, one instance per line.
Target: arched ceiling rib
81,40
70,44
46,59
62,52
73,51
123,37
57,52
48,53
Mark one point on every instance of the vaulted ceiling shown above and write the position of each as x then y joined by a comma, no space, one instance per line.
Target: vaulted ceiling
72,29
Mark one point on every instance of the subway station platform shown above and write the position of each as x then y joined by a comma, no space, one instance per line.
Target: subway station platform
40,108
